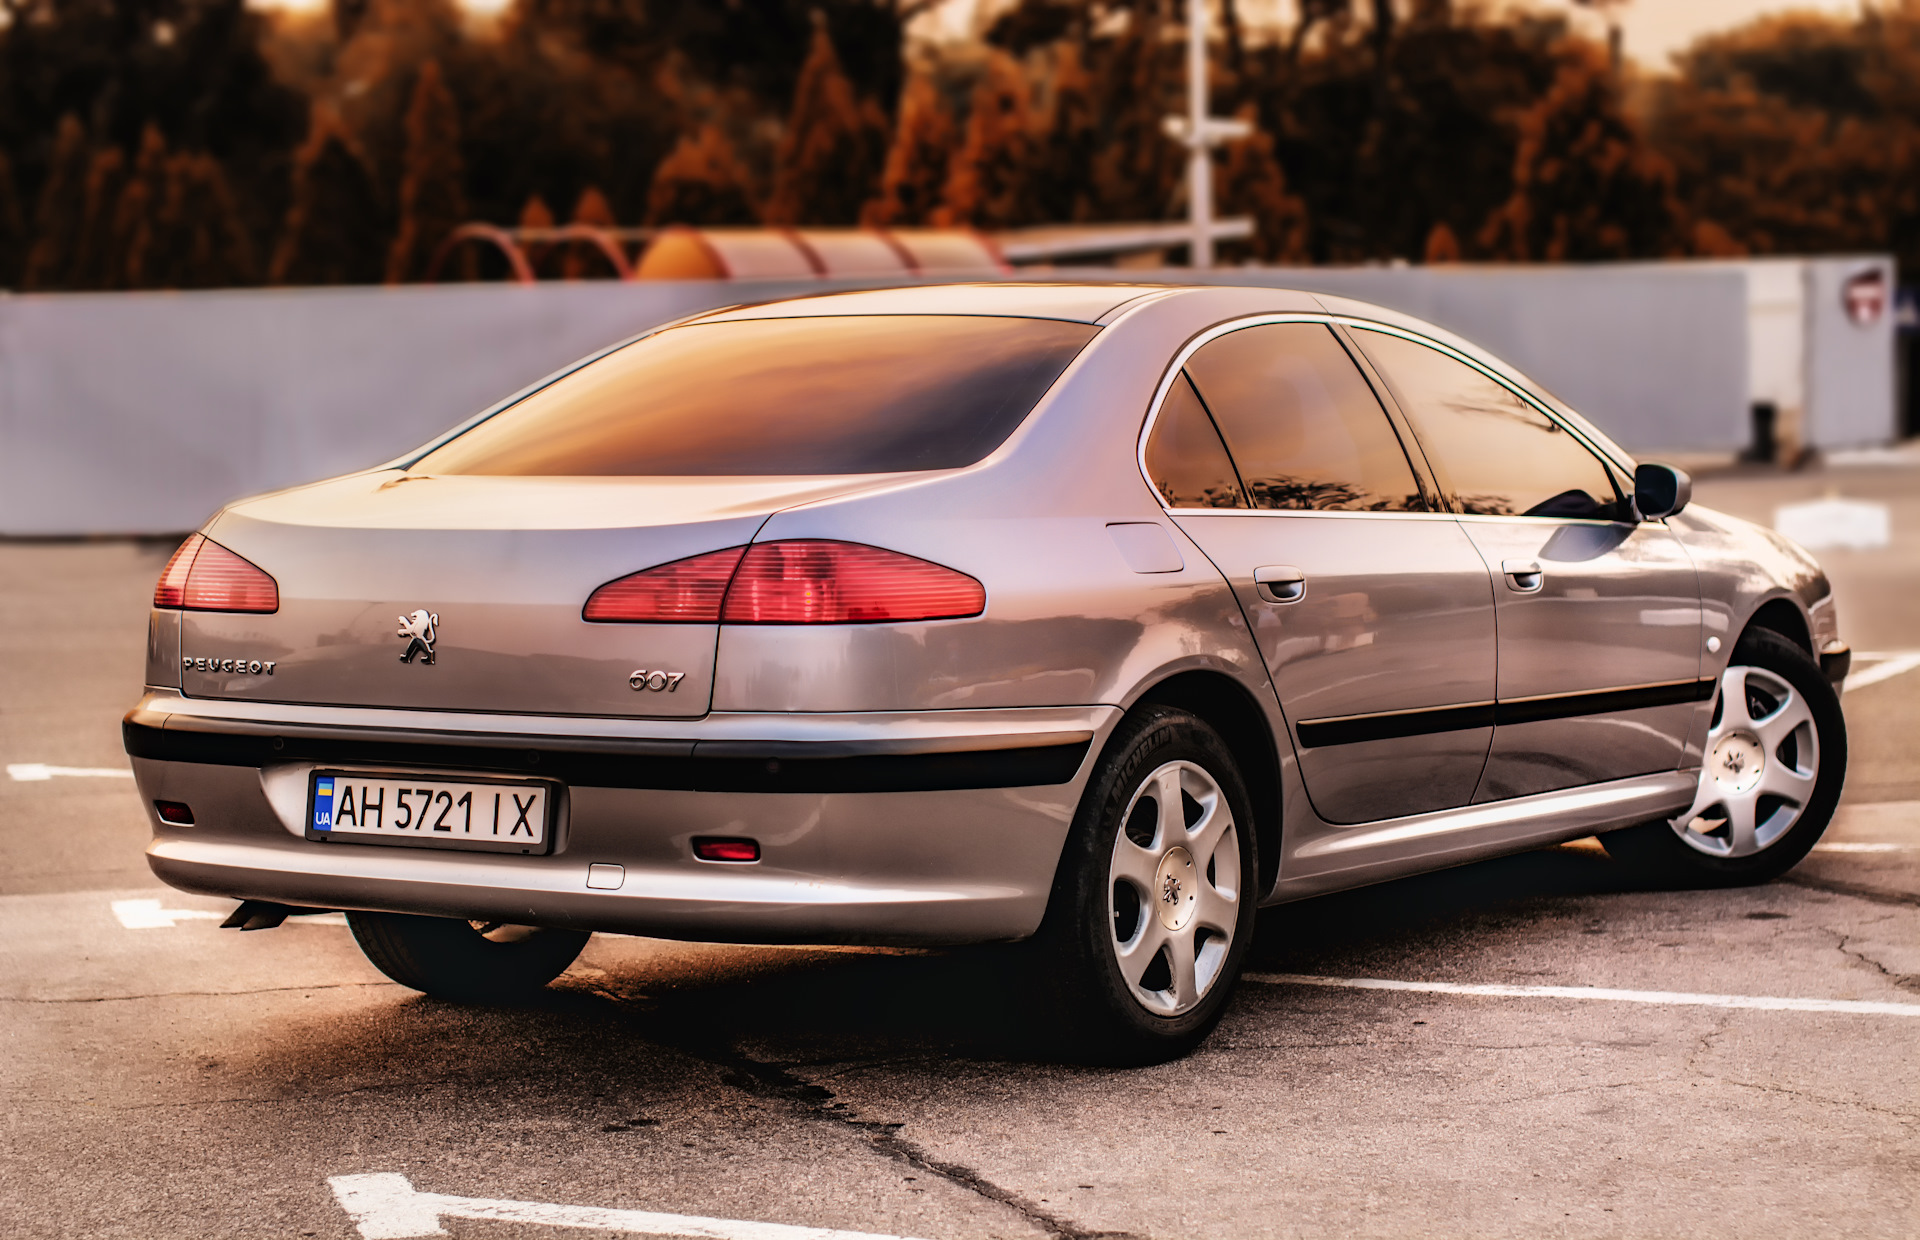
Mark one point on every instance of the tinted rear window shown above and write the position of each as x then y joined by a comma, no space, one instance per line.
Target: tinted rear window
851,395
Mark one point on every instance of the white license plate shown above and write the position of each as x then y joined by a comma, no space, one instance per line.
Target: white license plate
486,815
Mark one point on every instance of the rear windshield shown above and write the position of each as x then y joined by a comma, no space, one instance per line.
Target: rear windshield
850,395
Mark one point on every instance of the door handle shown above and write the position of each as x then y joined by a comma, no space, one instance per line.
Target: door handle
1280,584
1523,576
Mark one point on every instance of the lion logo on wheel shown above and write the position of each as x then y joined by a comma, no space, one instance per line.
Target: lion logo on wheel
418,629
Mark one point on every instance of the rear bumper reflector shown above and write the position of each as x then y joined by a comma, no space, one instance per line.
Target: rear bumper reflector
695,772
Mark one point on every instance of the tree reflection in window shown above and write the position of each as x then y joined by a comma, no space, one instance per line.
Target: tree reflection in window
1497,456
1305,430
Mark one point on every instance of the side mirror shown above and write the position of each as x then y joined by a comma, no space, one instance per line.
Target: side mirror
1660,491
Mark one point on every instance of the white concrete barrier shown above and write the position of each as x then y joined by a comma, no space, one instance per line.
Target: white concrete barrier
144,412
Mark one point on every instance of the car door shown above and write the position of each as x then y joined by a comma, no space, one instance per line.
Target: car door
1598,613
1374,614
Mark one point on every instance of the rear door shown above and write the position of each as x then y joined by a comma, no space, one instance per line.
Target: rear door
1599,614
1374,614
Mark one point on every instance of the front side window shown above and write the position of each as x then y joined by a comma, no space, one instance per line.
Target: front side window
1495,454
1185,458
1305,430
857,394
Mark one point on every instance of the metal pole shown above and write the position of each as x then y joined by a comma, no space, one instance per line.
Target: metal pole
1199,156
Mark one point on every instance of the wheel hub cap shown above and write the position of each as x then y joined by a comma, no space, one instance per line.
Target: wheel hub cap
1176,893
1738,762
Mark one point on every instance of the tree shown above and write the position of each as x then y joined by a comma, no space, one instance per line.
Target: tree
988,186
56,222
134,218
1586,185
199,238
701,183
1062,177
1251,183
1442,246
1799,134
336,227
95,244
1379,160
829,157
432,198
915,175
13,231
194,69
1138,173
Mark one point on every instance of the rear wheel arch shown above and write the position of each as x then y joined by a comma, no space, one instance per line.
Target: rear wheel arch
1780,615
1233,712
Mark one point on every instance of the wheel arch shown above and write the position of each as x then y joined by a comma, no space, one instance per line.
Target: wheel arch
1233,712
1781,615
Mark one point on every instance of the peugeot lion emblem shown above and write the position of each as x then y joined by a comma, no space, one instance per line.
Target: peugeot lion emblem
418,629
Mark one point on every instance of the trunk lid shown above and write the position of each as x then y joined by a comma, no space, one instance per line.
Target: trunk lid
499,567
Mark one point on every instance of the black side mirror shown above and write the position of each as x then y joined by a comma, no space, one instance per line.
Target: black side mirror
1660,491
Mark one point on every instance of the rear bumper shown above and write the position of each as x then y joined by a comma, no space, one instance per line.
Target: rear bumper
936,827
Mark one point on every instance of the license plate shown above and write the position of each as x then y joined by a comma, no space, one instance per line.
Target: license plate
426,810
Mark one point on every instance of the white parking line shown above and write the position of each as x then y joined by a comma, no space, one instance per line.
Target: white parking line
34,772
1665,998
1842,846
148,915
1885,667
385,1206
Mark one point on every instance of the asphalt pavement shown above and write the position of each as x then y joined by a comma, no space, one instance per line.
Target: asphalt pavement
1526,1047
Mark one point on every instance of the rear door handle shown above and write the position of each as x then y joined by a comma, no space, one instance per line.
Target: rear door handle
1278,583
1523,576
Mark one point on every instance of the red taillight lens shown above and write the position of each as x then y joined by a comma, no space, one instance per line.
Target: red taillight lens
205,576
683,592
798,581
714,848
172,590
813,581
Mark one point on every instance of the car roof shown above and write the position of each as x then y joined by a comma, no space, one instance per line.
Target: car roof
1077,303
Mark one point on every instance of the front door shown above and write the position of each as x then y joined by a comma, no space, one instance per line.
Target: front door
1374,615
1599,614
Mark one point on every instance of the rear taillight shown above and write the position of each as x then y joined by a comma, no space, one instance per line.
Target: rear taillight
205,576
797,581
812,581
683,592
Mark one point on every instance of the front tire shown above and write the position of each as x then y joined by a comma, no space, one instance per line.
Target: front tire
1153,906
465,961
1776,756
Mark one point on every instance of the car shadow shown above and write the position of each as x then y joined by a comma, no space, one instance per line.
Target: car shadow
811,1005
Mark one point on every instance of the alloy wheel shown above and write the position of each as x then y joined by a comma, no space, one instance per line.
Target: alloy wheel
1761,763
1174,888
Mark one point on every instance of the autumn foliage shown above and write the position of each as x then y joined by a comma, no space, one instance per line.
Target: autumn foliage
204,143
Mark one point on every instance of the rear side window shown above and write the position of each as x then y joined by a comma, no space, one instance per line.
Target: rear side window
848,395
1305,430
1495,454
1185,458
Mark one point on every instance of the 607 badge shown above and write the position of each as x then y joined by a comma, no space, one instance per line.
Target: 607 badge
656,681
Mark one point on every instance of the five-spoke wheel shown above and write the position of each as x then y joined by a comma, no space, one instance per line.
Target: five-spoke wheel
1175,888
1153,906
1770,775
1761,765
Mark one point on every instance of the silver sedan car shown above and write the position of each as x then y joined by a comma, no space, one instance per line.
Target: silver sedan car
1086,615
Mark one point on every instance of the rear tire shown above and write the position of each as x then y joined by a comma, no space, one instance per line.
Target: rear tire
1776,756
465,961
1153,904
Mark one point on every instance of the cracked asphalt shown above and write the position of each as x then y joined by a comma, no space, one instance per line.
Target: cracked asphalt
185,1081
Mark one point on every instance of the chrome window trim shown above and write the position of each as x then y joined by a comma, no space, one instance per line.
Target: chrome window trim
1204,338
1607,461
1173,371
